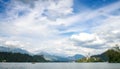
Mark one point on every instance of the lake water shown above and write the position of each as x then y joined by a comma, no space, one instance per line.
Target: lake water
60,66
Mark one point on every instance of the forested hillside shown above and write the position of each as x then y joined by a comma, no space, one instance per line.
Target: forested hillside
18,57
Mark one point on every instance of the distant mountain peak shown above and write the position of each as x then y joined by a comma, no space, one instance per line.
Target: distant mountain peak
13,50
54,57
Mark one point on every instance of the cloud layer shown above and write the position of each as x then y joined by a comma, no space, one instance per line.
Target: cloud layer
52,26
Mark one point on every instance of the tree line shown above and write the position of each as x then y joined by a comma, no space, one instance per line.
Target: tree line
18,57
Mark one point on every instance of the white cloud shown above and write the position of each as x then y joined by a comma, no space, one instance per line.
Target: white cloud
13,43
87,40
109,30
37,19
107,35
83,37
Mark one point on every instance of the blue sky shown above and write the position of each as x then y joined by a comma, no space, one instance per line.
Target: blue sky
62,27
91,4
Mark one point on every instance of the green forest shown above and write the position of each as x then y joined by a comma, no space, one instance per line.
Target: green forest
18,57
111,55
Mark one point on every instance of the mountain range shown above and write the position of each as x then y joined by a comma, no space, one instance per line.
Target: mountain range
15,54
8,54
58,58
47,56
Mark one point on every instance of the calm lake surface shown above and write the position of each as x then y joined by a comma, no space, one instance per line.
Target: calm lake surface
60,66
